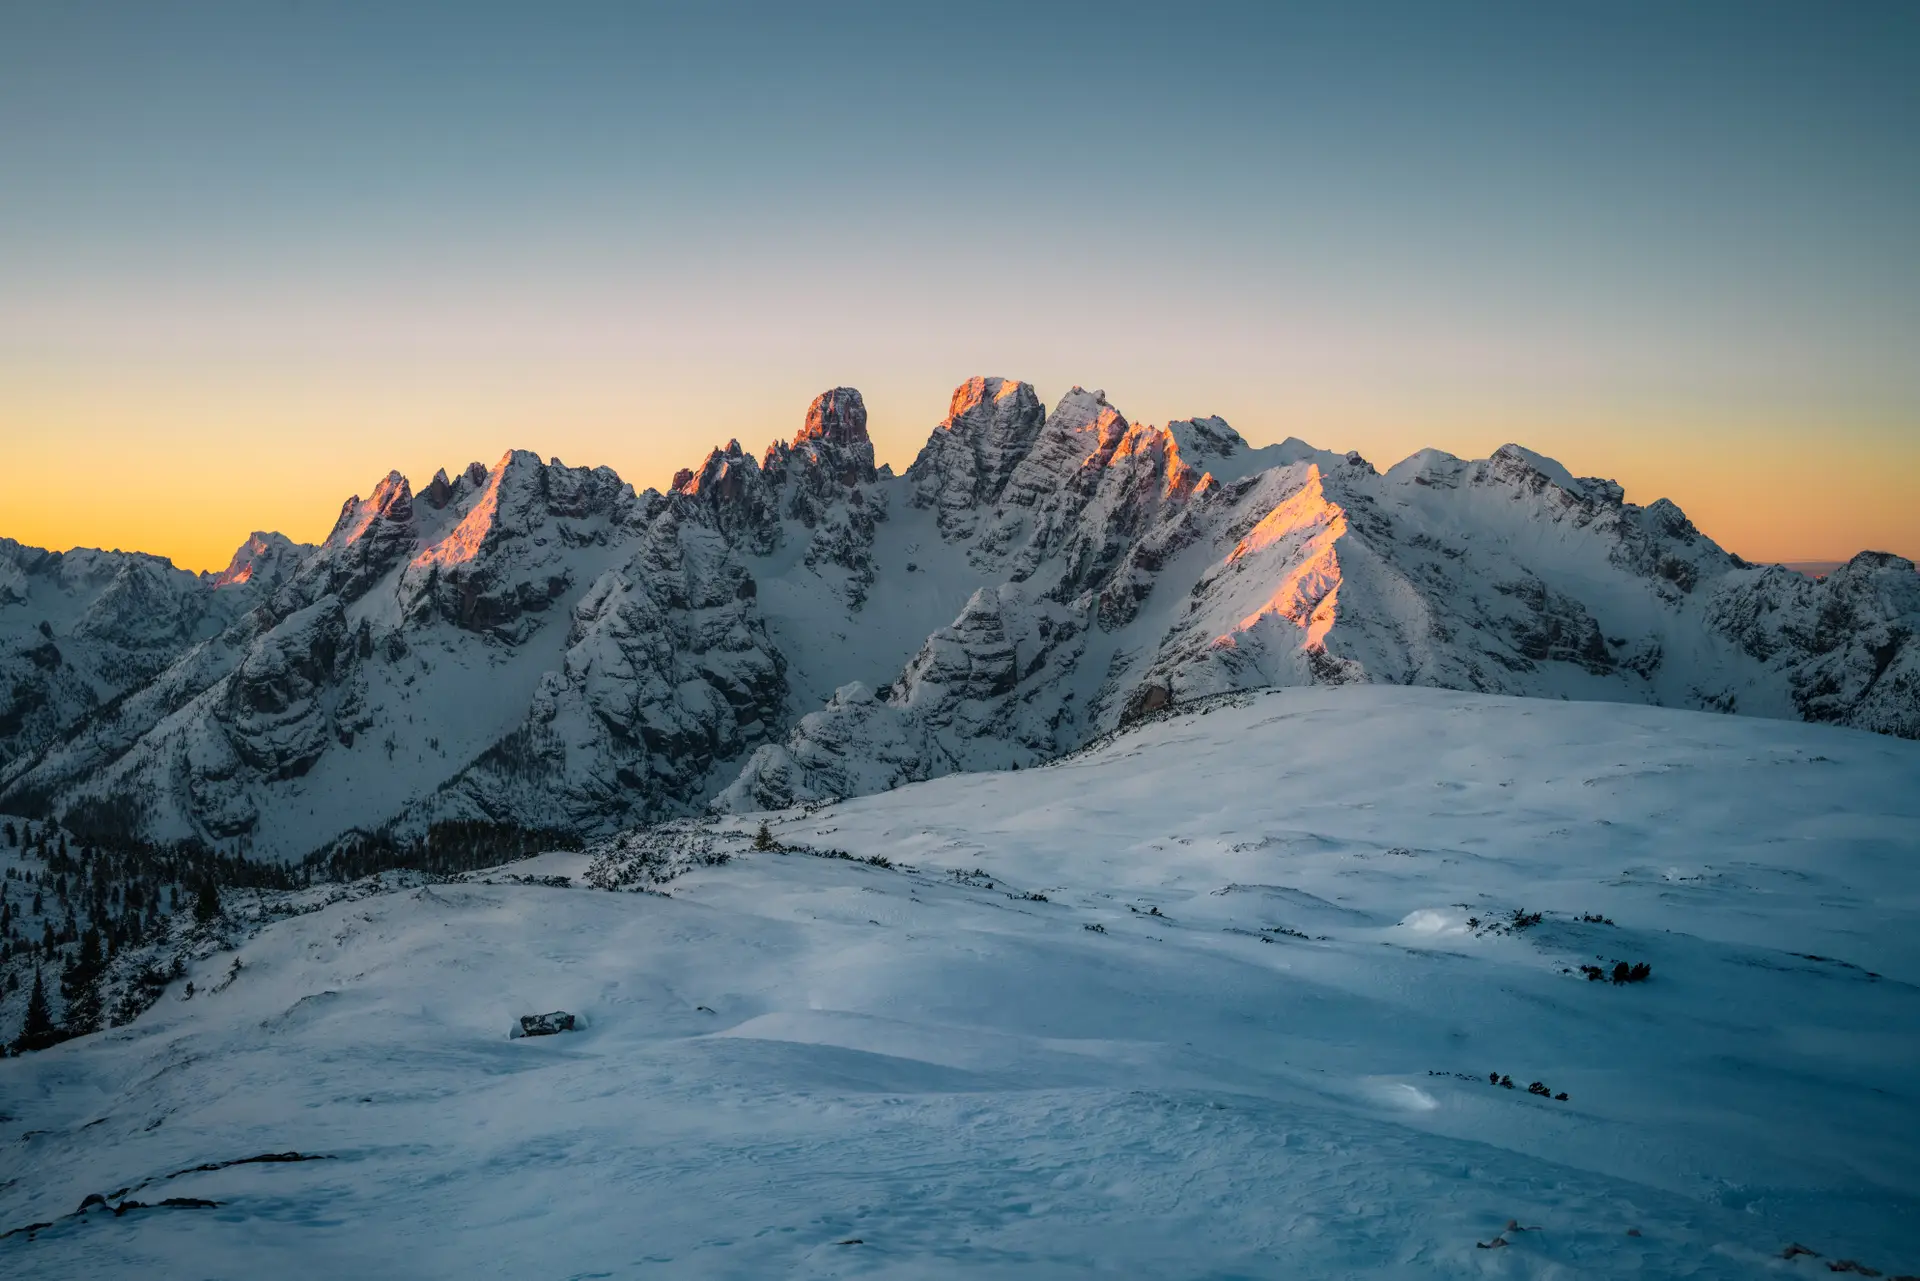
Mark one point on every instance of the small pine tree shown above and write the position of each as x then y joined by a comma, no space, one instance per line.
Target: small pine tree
13,837
207,906
37,1032
81,985
763,839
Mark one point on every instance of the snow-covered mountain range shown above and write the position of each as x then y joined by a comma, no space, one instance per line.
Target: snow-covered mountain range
544,645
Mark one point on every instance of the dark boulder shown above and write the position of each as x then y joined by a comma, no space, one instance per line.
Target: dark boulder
544,1024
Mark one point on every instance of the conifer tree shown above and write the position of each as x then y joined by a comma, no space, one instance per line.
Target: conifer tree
207,907
81,985
37,1033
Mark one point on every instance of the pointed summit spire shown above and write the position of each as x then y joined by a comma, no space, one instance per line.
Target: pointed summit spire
837,417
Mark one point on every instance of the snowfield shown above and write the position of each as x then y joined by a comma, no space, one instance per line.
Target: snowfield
1217,997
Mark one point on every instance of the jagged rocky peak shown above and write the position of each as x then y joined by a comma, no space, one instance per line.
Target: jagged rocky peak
735,495
835,435
391,505
445,491
1511,465
262,562
439,490
1082,428
372,536
990,426
1522,468
825,481
1203,440
506,558
1520,465
821,479
724,476
838,417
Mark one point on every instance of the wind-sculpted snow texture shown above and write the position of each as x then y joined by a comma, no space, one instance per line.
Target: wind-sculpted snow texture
1233,994
537,644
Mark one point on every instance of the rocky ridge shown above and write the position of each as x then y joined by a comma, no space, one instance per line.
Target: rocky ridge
541,645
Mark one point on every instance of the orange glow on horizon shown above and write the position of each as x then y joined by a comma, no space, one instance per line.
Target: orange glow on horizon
152,460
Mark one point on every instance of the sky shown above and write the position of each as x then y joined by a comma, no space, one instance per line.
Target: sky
254,256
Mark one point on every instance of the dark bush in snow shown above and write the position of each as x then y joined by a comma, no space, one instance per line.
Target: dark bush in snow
544,1024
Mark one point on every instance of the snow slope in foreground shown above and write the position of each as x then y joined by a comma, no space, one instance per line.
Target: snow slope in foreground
1269,1059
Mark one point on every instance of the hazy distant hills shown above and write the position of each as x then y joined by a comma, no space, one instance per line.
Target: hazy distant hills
545,646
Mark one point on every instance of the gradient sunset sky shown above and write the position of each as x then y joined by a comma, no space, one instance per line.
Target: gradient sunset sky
252,256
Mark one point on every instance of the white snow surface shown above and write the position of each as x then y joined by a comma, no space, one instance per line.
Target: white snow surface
1269,1059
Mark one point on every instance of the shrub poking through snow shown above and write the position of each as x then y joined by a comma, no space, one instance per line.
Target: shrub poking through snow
646,858
1520,919
1505,1082
1638,972
763,839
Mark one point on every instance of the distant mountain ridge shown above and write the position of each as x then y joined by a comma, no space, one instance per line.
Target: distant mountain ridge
541,645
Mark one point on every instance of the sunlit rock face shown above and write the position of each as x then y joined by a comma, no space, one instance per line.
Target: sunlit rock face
837,420
539,644
962,473
371,536
732,492
510,558
263,562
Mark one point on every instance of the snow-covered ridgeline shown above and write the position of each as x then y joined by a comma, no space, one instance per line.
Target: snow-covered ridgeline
543,646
